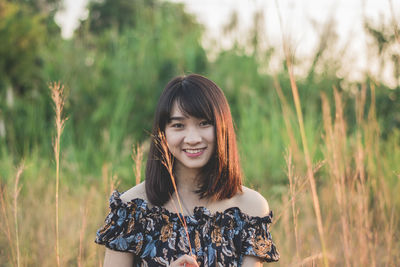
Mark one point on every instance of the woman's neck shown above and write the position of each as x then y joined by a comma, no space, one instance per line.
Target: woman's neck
187,187
187,179
187,182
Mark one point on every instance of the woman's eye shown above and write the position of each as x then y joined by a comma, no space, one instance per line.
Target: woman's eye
205,123
177,125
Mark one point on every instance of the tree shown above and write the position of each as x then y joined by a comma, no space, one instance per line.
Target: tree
22,34
117,14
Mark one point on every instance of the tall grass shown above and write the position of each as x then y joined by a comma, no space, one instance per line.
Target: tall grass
356,182
17,190
137,157
359,207
293,185
310,172
57,94
307,156
5,225
15,256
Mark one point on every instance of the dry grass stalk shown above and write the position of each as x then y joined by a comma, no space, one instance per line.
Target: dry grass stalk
17,190
367,153
300,189
285,219
137,156
310,172
372,178
389,239
84,212
287,115
362,206
292,188
5,226
110,182
114,182
308,260
167,161
57,94
360,188
104,177
336,155
374,158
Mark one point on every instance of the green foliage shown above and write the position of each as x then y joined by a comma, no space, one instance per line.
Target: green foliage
43,6
117,14
115,76
22,35
23,96
119,60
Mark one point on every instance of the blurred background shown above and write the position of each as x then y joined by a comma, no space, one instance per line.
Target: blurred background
115,57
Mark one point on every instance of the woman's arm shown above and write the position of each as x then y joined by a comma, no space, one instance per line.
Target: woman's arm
116,258
125,259
250,261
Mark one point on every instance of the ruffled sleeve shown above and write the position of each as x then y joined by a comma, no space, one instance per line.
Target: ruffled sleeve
122,230
257,240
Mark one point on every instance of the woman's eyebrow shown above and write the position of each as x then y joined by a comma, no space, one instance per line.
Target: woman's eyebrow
176,118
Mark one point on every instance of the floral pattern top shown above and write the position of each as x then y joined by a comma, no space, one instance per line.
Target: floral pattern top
156,236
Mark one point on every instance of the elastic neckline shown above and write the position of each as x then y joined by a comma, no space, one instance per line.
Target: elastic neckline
197,211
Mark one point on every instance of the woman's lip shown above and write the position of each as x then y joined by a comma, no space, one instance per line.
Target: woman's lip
193,155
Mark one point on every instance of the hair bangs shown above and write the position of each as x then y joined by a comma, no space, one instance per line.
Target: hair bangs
194,103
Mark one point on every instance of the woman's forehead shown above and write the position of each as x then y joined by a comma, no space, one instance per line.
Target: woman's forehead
177,111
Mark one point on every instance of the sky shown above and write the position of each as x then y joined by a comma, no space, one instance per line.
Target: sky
302,20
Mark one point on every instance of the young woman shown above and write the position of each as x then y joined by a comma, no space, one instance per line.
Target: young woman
225,223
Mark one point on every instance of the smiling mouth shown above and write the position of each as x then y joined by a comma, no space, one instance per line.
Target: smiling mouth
194,151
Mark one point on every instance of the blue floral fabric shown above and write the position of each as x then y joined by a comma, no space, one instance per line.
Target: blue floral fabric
156,236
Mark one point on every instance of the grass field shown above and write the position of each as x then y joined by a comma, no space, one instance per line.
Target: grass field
339,208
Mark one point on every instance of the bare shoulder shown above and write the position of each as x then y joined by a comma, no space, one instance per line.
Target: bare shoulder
252,203
138,191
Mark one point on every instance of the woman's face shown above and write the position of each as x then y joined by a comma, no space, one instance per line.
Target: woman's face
190,140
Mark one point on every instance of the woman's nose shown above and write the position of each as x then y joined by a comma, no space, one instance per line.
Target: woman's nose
192,137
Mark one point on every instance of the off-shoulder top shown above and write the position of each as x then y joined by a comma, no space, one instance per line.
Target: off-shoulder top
156,236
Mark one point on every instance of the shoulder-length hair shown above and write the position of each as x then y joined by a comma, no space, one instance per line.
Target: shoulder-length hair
198,97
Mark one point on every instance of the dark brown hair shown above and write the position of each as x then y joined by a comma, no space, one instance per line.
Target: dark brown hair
198,97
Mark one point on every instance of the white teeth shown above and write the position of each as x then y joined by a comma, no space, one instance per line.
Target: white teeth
193,151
